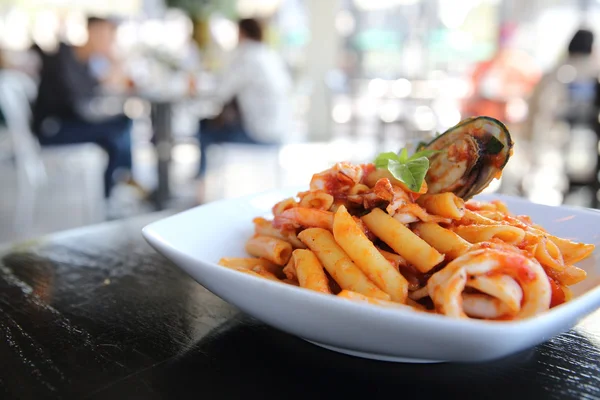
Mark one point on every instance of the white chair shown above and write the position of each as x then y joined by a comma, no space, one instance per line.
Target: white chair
33,164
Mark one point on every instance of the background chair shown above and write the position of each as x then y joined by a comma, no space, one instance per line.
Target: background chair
71,176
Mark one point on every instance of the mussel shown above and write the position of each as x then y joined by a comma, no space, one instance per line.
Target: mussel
469,155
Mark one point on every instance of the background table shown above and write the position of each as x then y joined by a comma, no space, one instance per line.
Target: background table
96,314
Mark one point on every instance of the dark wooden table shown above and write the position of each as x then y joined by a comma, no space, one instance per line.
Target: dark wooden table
96,314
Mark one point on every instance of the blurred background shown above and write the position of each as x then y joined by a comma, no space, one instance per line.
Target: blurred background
357,77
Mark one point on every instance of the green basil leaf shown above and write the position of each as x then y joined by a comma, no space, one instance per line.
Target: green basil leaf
409,170
423,153
383,159
418,169
403,156
412,173
402,173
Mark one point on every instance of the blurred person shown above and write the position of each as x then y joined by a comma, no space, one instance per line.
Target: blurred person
566,92
253,93
69,109
561,119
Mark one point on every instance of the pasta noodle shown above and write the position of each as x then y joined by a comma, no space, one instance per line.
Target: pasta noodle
572,252
485,233
443,240
274,250
444,204
250,263
317,199
256,271
396,260
310,271
365,255
338,264
284,205
404,241
360,234
350,295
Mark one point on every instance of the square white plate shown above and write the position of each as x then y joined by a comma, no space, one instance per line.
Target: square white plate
196,239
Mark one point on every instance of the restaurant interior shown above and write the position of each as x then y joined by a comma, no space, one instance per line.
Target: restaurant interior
366,76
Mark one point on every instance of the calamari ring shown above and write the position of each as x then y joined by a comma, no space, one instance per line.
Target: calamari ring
446,286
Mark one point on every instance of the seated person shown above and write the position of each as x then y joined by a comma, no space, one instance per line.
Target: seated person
66,110
253,93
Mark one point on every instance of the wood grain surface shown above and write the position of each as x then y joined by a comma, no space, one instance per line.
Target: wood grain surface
95,313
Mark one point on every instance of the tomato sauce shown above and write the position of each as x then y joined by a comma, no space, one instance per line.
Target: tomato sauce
558,295
516,266
458,152
366,169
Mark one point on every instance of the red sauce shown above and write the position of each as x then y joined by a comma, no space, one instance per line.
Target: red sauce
473,205
558,295
515,222
367,169
526,219
528,244
337,187
515,266
497,161
458,152
413,275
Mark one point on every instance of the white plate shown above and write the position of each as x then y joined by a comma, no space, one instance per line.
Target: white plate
195,240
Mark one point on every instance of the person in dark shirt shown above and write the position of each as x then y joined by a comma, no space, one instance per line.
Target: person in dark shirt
70,109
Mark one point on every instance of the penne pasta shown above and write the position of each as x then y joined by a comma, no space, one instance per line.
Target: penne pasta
443,240
366,257
264,273
572,252
474,205
485,233
256,271
548,254
359,188
290,270
569,276
479,218
274,250
404,242
396,260
338,264
361,298
316,199
247,262
493,215
284,205
446,205
310,271
500,207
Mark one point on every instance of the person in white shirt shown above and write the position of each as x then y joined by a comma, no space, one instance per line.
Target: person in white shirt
254,95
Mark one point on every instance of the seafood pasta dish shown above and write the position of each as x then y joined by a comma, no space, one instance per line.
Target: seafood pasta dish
405,232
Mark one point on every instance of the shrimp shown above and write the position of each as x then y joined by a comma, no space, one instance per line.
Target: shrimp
338,179
304,217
